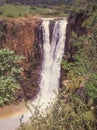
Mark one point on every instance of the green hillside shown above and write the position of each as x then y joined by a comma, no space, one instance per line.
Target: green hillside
14,11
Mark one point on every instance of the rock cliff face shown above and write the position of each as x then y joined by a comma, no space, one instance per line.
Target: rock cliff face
21,35
75,21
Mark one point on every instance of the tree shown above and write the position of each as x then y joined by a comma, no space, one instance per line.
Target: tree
9,74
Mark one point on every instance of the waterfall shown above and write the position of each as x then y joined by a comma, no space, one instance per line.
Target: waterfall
53,51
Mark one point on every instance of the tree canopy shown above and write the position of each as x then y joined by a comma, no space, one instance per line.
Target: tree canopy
9,74
31,2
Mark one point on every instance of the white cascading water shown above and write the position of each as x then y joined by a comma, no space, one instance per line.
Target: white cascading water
52,56
50,73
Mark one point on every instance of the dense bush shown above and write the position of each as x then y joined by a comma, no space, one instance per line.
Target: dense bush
39,2
9,74
10,15
69,112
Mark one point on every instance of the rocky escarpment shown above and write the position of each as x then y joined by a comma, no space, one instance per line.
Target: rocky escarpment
21,35
75,21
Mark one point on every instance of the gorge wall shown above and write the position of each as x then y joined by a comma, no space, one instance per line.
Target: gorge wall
75,22
21,35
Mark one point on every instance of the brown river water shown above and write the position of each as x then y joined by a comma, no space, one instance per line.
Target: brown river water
10,116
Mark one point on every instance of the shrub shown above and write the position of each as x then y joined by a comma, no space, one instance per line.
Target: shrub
10,15
9,74
32,8
68,112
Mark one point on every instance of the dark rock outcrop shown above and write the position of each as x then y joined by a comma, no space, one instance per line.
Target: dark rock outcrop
75,21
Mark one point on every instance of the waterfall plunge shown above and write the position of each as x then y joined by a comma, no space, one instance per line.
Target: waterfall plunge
51,64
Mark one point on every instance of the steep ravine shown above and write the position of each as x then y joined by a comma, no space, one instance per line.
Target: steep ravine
22,36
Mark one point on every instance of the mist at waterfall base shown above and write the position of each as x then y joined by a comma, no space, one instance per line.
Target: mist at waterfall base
53,51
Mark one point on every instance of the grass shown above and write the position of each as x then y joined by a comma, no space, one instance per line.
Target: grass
15,11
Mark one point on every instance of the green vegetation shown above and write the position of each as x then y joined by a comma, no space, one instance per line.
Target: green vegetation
14,11
69,112
9,75
37,2
42,8
76,105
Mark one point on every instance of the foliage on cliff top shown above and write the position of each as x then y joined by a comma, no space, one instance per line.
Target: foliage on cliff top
83,5
37,2
14,11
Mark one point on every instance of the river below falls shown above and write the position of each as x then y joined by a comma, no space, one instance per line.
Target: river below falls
10,116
